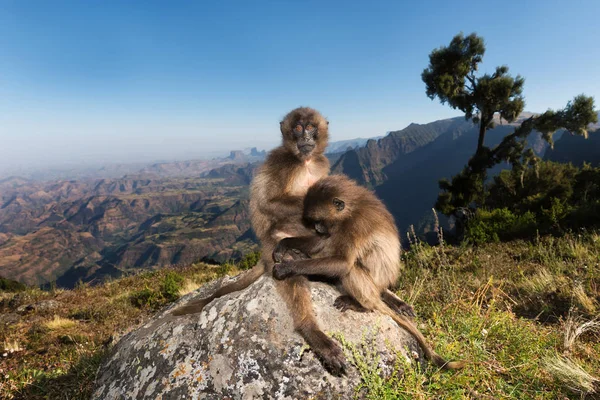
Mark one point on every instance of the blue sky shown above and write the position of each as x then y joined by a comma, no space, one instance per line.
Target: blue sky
115,81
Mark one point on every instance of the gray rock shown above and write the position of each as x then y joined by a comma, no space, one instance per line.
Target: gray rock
9,318
40,306
243,346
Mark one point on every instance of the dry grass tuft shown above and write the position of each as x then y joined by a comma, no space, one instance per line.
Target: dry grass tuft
572,375
541,282
11,346
582,298
188,287
575,327
60,323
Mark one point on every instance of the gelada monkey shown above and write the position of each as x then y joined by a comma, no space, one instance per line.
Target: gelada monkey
276,204
355,241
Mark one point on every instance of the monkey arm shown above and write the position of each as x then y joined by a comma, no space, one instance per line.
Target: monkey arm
281,207
331,267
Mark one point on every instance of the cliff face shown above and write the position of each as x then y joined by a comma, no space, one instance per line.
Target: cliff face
404,168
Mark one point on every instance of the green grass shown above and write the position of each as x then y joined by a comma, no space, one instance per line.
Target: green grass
510,310
504,309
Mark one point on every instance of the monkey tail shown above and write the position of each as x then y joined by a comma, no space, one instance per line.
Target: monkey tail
242,283
412,329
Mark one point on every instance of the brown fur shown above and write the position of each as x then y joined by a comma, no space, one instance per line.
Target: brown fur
276,203
358,245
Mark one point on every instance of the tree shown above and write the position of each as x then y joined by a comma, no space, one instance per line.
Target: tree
465,188
451,77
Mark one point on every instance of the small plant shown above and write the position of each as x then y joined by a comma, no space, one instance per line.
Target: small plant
146,298
171,286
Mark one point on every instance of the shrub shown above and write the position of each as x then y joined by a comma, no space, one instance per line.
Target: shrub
145,298
11,286
499,224
171,285
249,260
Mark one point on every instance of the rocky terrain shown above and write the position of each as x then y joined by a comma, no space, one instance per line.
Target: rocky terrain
243,346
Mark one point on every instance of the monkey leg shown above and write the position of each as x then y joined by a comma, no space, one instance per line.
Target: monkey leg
359,284
296,294
345,303
396,304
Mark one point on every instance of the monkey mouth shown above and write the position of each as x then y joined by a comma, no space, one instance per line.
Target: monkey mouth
306,149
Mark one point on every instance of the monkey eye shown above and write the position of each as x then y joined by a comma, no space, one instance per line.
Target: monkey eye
298,128
310,127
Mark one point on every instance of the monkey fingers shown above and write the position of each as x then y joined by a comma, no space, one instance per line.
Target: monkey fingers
345,303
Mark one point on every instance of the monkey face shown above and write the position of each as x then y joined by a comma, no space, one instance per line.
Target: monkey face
305,135
322,211
304,132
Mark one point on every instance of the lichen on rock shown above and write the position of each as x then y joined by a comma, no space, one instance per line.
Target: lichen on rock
242,346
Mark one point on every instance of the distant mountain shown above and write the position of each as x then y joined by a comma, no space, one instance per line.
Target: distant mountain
64,231
162,169
576,149
405,166
350,144
181,212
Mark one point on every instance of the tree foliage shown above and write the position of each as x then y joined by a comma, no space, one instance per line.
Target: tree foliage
451,77
550,199
467,188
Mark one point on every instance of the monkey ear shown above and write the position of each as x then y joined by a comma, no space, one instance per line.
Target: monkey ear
339,204
327,122
281,127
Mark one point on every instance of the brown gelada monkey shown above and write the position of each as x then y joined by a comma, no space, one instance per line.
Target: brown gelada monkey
354,241
276,205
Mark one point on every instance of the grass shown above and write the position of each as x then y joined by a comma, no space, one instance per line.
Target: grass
522,314
58,323
55,354
518,313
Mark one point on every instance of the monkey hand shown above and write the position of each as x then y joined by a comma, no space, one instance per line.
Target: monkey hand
283,253
283,270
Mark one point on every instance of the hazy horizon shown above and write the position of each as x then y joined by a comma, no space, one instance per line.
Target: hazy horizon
140,82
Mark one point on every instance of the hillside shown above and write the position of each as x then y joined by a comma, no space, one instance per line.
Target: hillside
516,312
65,231
404,167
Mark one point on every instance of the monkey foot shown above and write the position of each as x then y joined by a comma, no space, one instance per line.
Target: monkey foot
345,303
397,305
332,357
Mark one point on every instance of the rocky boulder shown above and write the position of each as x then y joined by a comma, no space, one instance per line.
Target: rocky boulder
243,346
